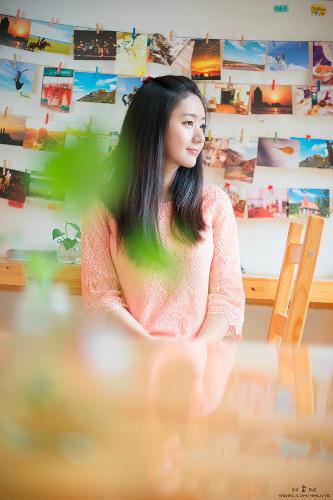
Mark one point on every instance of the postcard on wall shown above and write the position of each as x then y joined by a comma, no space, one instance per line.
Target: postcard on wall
42,187
90,45
241,160
267,202
131,58
162,50
215,152
278,153
315,153
288,56
18,79
57,89
182,63
306,98
76,132
14,32
94,87
13,184
246,55
206,59
323,62
126,88
46,38
305,202
237,197
42,137
267,100
12,129
227,98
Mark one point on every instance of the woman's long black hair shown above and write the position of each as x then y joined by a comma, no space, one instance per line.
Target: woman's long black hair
135,189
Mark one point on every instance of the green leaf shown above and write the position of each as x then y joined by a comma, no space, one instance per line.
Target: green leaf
56,233
68,243
78,230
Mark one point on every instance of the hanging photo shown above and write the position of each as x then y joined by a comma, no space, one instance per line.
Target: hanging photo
162,50
315,153
305,202
267,202
246,56
14,32
288,56
227,98
215,152
43,187
206,59
237,198
18,79
306,98
57,89
131,56
12,129
323,62
241,160
266,100
278,153
46,38
126,88
13,184
90,45
42,137
94,87
182,63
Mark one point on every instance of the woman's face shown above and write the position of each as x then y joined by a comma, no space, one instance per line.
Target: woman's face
185,134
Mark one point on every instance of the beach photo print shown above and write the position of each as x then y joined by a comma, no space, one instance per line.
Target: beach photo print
206,59
266,100
14,32
245,56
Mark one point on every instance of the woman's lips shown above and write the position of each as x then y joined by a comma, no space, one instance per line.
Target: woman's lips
193,152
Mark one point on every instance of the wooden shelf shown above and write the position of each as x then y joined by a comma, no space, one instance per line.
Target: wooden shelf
258,289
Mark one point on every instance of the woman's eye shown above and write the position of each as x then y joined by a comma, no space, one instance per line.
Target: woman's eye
189,123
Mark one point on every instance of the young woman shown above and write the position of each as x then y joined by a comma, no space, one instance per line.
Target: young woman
157,210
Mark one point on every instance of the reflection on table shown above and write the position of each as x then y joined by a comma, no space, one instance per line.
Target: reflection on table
100,416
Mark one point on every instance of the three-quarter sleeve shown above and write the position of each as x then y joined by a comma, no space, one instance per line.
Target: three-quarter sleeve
101,290
226,293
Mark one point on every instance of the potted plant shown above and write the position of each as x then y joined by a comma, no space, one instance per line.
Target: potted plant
69,248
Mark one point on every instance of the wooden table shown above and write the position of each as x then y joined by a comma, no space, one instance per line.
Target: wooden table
258,289
94,416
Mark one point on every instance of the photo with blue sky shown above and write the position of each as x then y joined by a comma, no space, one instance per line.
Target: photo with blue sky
16,79
314,153
126,87
94,87
286,56
59,37
246,55
307,201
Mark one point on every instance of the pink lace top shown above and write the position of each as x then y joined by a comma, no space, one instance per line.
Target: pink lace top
208,278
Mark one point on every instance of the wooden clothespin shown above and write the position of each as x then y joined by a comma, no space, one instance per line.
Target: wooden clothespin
97,28
14,60
242,40
241,135
59,68
17,15
46,118
4,167
275,136
52,22
171,35
273,84
229,82
5,112
207,34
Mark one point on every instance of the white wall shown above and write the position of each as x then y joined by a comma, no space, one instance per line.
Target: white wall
261,241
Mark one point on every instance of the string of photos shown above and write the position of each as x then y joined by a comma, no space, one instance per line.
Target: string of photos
202,60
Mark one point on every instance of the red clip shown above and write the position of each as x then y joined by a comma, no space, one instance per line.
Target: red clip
227,185
273,84
52,22
270,188
59,68
15,204
307,137
46,118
